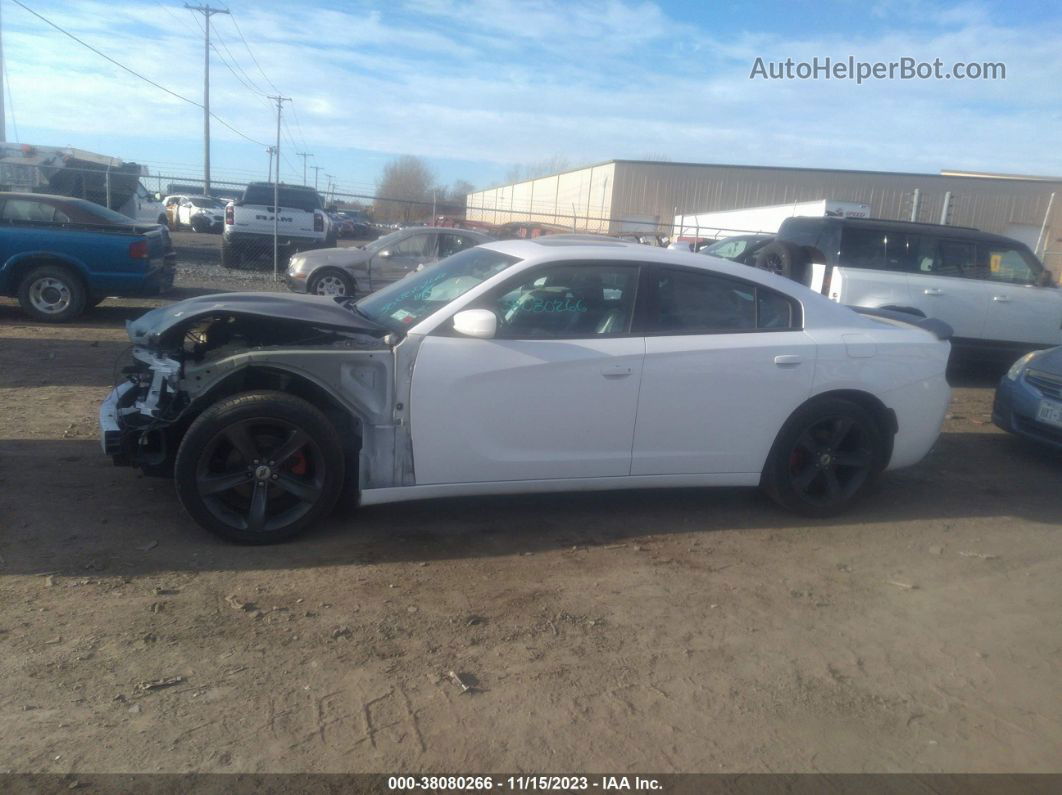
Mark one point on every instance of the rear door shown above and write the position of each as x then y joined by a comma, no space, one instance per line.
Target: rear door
1018,309
945,286
726,363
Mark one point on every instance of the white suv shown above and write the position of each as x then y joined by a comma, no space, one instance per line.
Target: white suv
992,290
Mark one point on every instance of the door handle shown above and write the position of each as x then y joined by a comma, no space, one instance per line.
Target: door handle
616,370
933,291
1001,299
788,360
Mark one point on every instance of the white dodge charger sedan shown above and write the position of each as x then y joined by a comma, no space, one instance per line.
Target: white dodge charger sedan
558,364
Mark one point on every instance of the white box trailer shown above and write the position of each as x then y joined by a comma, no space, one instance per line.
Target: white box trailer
760,220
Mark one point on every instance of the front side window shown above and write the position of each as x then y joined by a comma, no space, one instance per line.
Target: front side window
408,301
1002,263
578,300
690,302
414,246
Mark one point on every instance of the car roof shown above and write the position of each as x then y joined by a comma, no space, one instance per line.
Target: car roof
549,248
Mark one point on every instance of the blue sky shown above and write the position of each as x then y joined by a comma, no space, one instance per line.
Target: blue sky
477,86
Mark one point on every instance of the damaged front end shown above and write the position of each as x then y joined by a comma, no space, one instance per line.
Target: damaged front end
191,354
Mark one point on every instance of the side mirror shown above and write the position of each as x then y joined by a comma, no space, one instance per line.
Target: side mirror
479,323
158,197
384,254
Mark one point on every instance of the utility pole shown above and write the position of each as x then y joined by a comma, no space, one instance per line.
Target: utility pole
304,155
316,174
276,187
207,13
331,188
269,173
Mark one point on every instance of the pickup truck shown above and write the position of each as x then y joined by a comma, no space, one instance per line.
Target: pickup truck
301,223
996,295
59,256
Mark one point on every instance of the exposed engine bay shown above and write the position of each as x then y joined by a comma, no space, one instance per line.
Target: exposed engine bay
189,355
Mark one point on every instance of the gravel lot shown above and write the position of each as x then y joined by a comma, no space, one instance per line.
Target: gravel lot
641,631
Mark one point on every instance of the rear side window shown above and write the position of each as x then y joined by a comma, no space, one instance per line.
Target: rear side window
28,210
881,249
690,302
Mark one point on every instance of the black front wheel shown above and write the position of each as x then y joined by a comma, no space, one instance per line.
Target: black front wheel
259,467
826,457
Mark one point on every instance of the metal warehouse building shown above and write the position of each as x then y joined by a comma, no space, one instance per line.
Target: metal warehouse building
633,195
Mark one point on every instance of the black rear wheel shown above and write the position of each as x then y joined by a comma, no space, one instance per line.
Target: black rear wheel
827,456
259,467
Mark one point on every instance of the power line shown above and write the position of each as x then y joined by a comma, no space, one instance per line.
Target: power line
136,74
249,52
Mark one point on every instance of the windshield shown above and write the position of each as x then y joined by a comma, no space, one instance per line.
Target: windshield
408,301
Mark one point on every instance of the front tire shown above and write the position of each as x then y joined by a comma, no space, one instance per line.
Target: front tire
331,282
827,456
52,294
259,467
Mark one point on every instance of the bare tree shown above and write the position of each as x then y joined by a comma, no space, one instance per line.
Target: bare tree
409,180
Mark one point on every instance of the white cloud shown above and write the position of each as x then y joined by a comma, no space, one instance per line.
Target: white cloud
501,82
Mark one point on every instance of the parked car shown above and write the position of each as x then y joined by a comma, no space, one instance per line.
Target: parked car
524,366
1029,398
145,207
200,213
739,248
302,224
363,269
994,293
59,255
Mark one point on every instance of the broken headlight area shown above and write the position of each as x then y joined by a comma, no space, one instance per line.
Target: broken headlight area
136,416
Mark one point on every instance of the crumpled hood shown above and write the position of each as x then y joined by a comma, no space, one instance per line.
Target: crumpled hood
314,310
336,257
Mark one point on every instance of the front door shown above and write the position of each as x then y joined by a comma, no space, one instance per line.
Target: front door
553,395
945,286
1019,310
403,258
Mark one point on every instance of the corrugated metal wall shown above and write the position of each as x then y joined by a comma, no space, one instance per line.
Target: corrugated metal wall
604,197
581,199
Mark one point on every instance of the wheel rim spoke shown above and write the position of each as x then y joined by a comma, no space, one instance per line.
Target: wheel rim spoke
213,484
841,428
307,492
803,480
833,486
239,436
856,459
256,517
807,442
295,442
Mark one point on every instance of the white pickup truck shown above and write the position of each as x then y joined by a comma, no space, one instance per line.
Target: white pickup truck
301,223
992,290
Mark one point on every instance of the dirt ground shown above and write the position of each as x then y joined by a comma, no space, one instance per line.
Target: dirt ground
643,631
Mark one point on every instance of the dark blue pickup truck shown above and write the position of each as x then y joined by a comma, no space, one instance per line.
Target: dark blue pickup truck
59,255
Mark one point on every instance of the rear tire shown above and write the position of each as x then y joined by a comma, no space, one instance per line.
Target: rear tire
782,258
231,255
827,456
331,282
259,467
52,294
